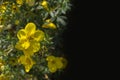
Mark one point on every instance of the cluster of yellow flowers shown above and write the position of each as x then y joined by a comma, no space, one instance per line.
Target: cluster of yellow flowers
16,8
32,2
29,43
6,7
29,35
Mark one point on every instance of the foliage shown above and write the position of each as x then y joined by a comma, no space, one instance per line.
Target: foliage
30,39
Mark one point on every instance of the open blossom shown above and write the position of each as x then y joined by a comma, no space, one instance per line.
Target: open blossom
49,24
29,39
55,63
45,4
27,62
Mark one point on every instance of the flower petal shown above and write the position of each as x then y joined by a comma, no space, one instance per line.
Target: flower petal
52,25
19,46
21,34
38,35
21,59
58,63
49,25
30,29
25,44
22,45
28,52
29,64
52,67
20,2
35,46
50,58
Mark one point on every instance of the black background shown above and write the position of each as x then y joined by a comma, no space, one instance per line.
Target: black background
72,42
87,42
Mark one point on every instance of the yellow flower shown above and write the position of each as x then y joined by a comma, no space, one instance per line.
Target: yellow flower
20,2
17,22
50,58
35,46
30,33
29,39
3,7
49,24
54,63
45,4
30,2
51,64
59,63
14,8
27,62
52,67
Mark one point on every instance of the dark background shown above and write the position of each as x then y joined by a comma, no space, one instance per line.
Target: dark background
72,42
